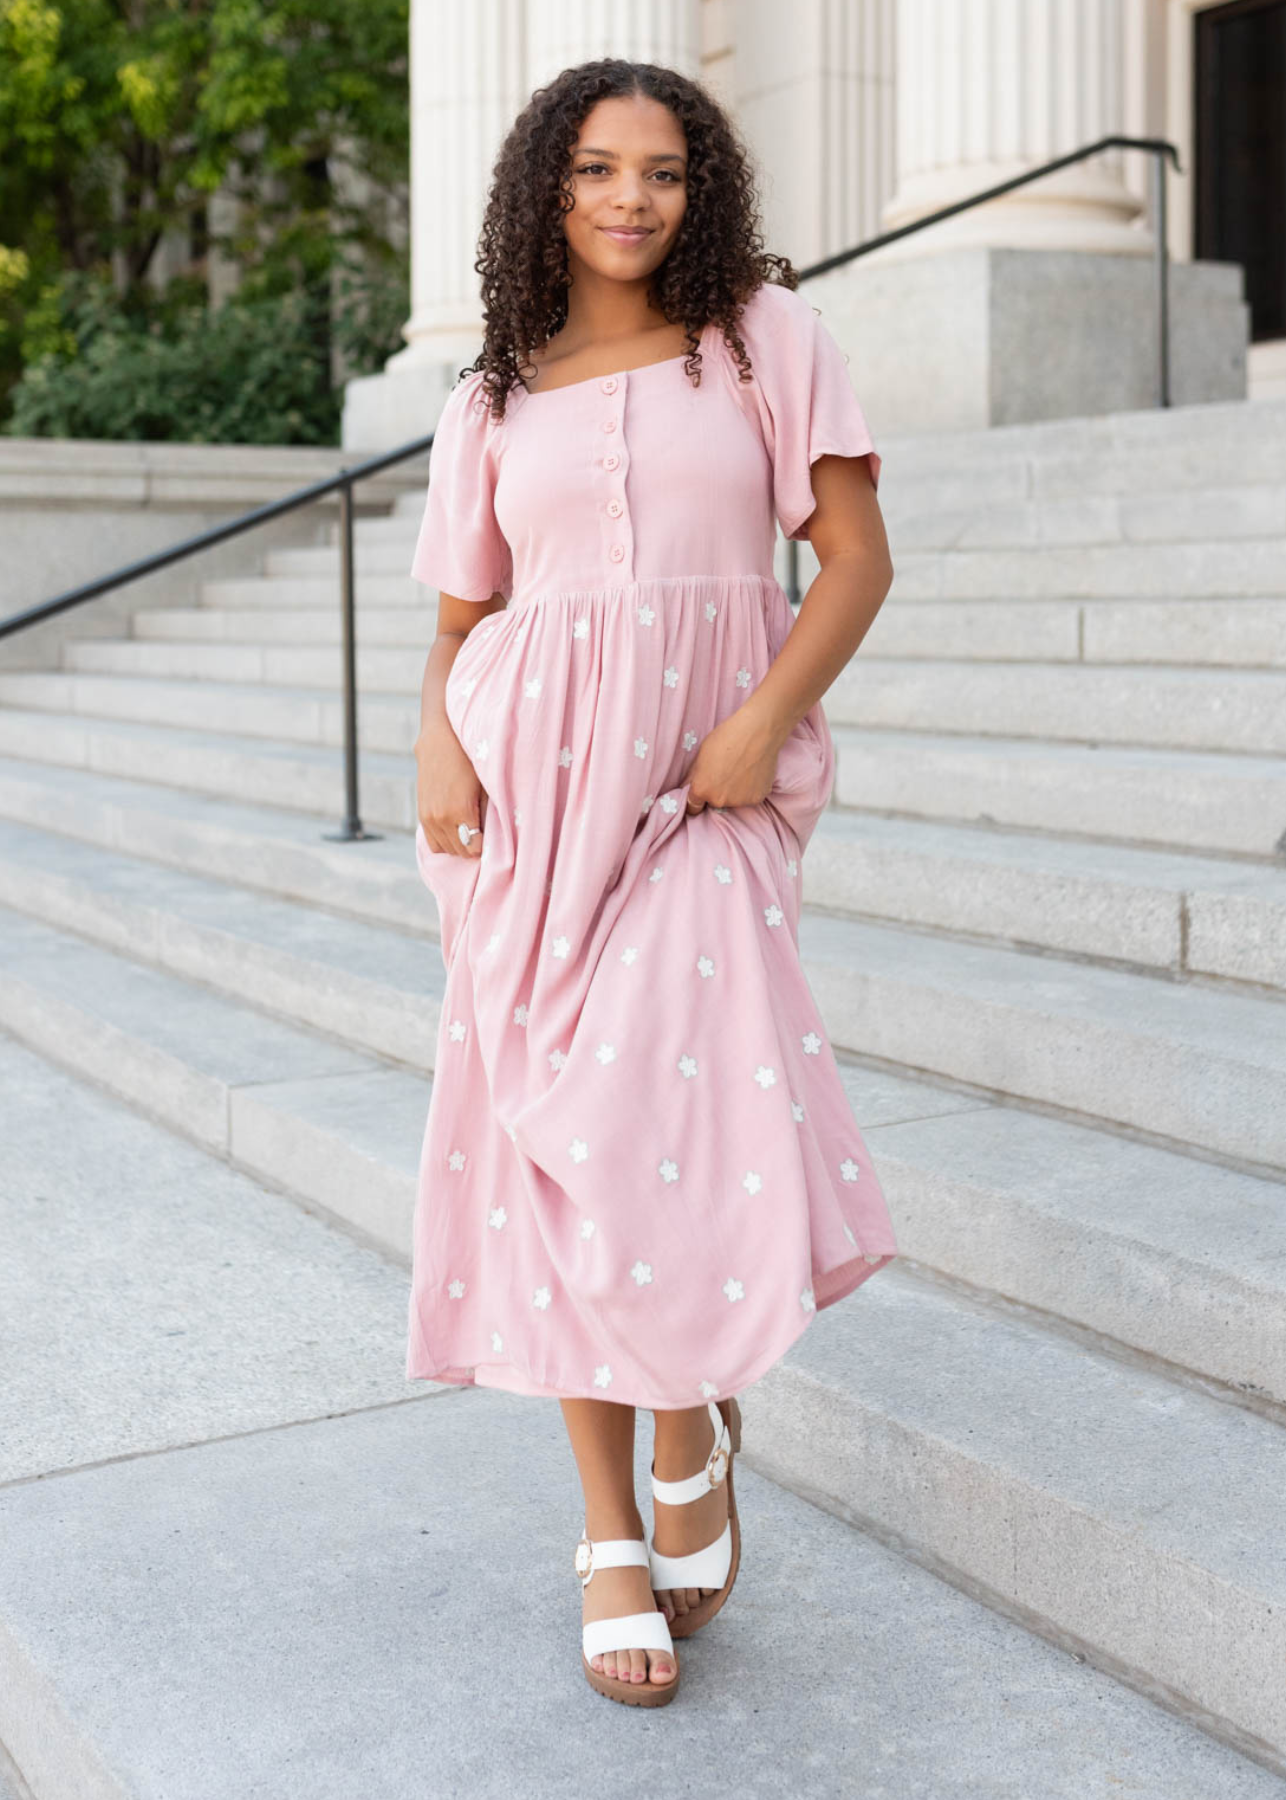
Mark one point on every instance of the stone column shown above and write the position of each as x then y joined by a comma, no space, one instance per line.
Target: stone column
989,88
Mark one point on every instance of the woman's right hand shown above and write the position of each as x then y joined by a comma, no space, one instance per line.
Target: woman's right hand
448,792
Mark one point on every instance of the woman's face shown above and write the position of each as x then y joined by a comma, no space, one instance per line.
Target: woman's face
629,170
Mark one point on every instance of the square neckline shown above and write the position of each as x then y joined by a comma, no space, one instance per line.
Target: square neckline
664,362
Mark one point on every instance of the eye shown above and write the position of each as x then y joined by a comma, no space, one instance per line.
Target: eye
589,168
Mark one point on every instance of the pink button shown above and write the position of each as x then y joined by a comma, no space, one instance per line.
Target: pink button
612,462
615,508
609,384
616,552
609,424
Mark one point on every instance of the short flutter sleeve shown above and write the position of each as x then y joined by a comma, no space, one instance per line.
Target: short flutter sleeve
461,549
805,398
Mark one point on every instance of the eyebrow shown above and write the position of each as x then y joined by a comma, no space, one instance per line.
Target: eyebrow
656,156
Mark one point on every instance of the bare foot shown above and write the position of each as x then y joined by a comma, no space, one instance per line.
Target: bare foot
613,1592
682,1446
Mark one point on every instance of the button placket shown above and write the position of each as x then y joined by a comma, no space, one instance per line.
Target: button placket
617,534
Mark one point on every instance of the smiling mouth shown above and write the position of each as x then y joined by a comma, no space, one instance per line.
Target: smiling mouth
626,232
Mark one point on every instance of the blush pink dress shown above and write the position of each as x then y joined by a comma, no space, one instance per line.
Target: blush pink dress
641,1176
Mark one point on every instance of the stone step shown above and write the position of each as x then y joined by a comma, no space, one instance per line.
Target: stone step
304,777
1197,1066
1139,1518
406,626
1235,633
1205,567
1180,799
233,1375
394,587
1237,711
1240,711
1179,914
1172,1257
385,722
1185,915
380,670
1219,633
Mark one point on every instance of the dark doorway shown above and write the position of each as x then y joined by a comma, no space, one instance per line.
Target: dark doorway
1240,138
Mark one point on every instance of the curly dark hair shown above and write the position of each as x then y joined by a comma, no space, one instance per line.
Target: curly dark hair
717,260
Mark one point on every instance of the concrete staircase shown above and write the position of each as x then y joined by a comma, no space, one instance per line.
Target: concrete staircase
1046,922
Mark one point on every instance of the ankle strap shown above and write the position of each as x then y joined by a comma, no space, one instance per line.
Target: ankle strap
678,1493
607,1553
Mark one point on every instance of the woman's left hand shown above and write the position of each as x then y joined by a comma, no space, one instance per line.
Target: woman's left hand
736,763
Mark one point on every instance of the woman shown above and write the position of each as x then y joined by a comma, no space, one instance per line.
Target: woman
641,1176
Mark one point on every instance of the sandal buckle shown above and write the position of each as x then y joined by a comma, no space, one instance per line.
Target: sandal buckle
584,1559
717,1466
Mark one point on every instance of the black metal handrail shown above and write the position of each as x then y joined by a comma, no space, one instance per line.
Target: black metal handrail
343,483
1157,148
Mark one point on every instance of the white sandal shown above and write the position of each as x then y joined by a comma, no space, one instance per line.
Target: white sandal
714,1565
628,1631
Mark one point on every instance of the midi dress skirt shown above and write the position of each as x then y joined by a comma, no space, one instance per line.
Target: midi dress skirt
641,1176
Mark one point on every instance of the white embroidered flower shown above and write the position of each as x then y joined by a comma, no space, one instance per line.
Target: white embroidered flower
792,867
848,1233
602,1375
704,966
773,914
709,1389
565,757
456,1290
532,688
541,1298
558,1059
670,804
642,1272
496,1218
640,746
581,628
587,1228
646,615
687,1066
578,1149
796,1111
497,1342
520,1013
481,748
561,945
493,942
668,1169
765,1076
647,803
657,873
630,953
808,1300
671,677
751,1181
849,1169
606,1053
711,610
733,1289
456,1159
871,1256
722,874
467,687
690,740
812,1043
517,815
455,1031
743,678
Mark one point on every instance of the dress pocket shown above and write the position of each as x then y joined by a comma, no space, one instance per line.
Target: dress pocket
451,880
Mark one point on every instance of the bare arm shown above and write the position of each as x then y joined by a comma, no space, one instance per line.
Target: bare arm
448,791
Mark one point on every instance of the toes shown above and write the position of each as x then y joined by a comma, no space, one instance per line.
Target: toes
662,1668
692,1596
609,1663
638,1665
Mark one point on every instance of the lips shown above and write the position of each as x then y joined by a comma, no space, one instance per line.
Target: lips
625,237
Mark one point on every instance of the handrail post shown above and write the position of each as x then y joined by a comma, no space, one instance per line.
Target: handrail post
1160,233
352,826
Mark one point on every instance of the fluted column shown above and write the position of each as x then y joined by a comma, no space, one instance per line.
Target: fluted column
468,80
988,88
561,33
